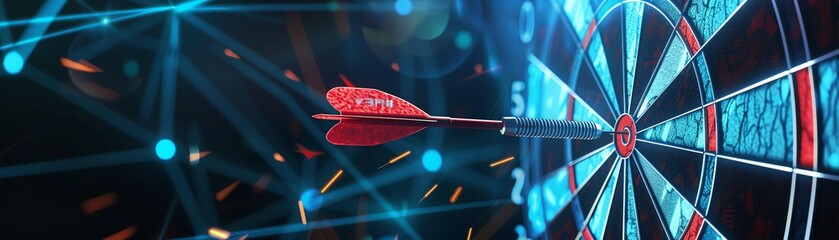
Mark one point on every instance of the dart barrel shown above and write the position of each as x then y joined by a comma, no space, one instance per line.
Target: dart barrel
550,128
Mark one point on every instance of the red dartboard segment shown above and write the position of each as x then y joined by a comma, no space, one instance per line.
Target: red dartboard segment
804,105
690,38
711,128
695,225
625,143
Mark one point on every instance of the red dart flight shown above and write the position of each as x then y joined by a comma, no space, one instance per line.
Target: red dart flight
372,117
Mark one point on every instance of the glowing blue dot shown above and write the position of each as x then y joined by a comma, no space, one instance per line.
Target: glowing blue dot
312,200
165,149
463,40
432,160
403,7
13,62
131,68
105,21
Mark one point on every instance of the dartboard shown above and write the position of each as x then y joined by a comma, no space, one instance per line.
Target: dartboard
727,109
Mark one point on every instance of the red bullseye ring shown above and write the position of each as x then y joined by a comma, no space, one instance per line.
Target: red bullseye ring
625,143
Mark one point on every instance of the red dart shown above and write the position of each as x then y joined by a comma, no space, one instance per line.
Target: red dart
371,117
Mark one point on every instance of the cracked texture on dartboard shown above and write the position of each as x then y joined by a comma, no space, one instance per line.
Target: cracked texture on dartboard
709,15
685,131
675,210
704,78
631,213
634,14
707,184
757,124
828,100
674,61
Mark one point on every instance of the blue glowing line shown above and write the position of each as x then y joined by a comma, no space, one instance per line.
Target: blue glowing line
184,193
299,227
109,116
77,163
100,15
31,40
199,80
233,171
261,63
263,216
48,10
187,6
169,80
204,194
301,115
5,33
293,7
168,218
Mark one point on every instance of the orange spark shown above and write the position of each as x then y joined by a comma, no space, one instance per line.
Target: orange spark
260,184
308,153
123,234
218,233
95,204
478,74
291,75
194,156
82,66
397,158
479,68
394,66
456,194
222,194
429,192
331,181
469,235
244,237
346,80
302,212
279,157
231,53
502,161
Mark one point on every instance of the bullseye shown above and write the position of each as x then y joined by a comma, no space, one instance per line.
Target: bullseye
625,143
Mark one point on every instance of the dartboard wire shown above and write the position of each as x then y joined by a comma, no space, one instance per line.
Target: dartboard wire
623,206
623,106
656,171
650,194
790,206
810,211
544,69
811,173
580,187
585,182
690,58
612,170
795,149
614,109
807,55
770,79
673,37
701,178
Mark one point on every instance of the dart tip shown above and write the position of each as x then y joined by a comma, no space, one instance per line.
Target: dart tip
324,117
